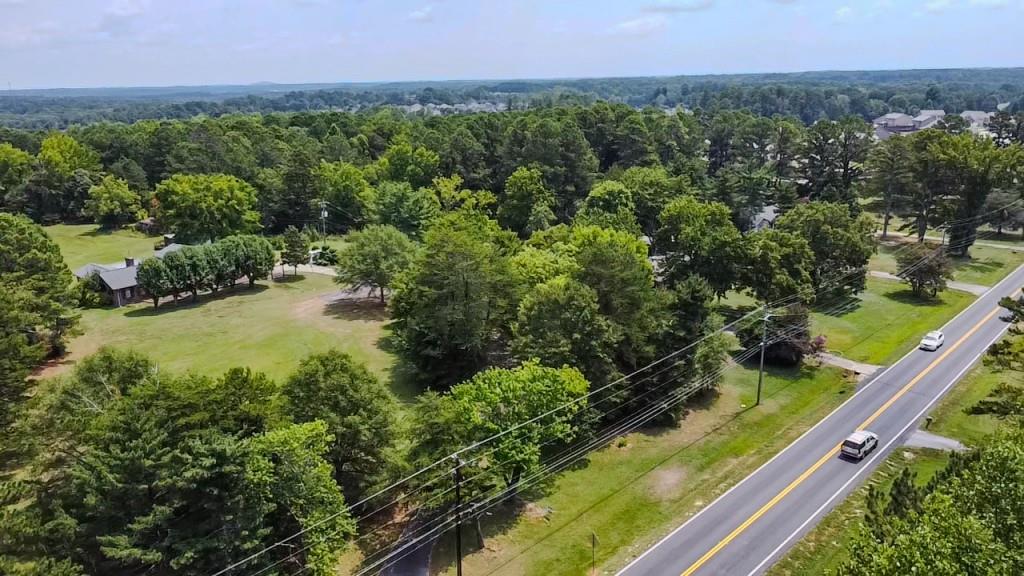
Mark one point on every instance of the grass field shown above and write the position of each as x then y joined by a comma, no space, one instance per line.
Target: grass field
885,322
269,328
640,487
986,266
826,547
85,243
950,418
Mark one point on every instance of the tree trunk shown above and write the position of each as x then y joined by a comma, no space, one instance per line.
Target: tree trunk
888,214
252,280
195,295
156,301
479,533
381,295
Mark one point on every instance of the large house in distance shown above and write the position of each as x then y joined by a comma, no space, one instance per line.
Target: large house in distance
118,280
899,123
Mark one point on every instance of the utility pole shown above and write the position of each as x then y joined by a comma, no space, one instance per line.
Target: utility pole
458,514
593,552
323,219
764,344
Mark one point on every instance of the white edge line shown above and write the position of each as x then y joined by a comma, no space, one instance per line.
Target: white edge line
863,388
878,453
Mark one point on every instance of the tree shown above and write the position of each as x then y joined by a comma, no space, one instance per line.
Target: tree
374,257
777,265
841,242
651,188
112,203
19,350
791,327
33,272
188,270
527,204
357,410
253,256
890,176
220,263
1004,210
451,302
404,163
926,268
15,168
347,192
609,205
61,155
154,278
495,400
560,324
399,205
296,248
202,207
971,168
834,153
700,238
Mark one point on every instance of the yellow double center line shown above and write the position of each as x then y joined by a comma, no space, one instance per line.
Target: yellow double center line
835,450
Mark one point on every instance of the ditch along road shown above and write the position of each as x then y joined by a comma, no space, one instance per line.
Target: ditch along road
752,525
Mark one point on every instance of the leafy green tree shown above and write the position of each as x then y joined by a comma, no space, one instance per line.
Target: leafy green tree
112,203
1004,210
411,211
652,188
495,400
890,176
374,257
15,168
609,205
527,204
792,325
33,272
19,351
746,190
403,163
700,238
61,155
453,196
296,248
204,207
929,201
358,411
253,256
925,268
834,154
154,278
841,242
560,324
189,269
347,192
777,265
220,263
450,304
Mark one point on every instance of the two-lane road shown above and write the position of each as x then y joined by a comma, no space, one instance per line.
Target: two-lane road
750,526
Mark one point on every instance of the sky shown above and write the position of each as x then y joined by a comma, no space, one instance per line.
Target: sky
91,43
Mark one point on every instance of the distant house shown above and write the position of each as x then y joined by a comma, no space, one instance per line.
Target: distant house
976,119
118,280
765,218
900,123
928,118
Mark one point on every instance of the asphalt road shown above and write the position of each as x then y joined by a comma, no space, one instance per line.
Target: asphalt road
753,524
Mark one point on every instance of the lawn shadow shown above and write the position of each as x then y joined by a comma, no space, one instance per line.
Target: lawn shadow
185,301
980,266
907,296
366,309
288,278
850,304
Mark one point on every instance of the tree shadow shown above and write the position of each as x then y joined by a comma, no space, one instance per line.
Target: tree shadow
980,266
834,310
908,297
366,309
185,301
288,278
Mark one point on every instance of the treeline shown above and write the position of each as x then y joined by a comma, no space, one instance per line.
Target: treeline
206,267
810,96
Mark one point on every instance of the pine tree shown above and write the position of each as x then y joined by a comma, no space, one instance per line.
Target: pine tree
296,248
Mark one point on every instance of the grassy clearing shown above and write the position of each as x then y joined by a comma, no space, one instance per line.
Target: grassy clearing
826,547
986,266
886,322
269,328
643,485
950,416
82,244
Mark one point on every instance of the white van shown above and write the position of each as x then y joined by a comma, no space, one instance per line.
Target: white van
859,444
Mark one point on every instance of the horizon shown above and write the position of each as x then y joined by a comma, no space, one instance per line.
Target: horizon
57,44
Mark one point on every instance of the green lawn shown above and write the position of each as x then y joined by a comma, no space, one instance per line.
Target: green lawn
269,328
639,488
950,417
986,266
824,548
885,322
85,243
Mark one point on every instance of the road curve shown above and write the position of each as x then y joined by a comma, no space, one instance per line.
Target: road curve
749,527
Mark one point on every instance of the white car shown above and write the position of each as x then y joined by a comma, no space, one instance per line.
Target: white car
932,340
859,444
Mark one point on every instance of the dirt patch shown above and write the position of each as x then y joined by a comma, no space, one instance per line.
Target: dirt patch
666,482
533,511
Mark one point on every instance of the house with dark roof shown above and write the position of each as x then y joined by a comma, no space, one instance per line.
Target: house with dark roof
118,280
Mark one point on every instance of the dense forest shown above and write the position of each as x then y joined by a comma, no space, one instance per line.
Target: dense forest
513,250
809,96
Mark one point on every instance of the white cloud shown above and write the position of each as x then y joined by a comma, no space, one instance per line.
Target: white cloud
937,5
674,7
642,26
424,14
843,13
